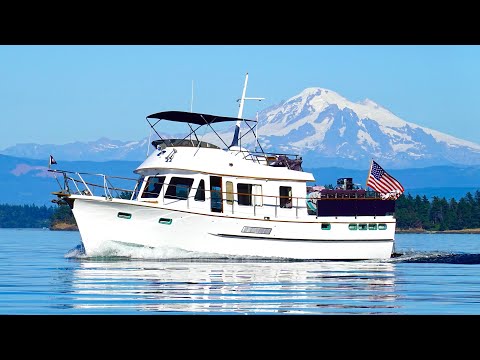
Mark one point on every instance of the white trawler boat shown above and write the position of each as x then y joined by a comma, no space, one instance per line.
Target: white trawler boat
227,201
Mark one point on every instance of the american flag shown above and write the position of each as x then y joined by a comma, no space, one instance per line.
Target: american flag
379,180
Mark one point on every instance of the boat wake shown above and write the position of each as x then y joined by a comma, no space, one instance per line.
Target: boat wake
77,252
116,251
435,257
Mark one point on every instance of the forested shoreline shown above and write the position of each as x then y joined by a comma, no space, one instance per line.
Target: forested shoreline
33,216
413,214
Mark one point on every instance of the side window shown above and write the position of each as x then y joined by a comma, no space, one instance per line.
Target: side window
244,194
200,194
138,187
179,188
153,186
229,192
286,197
257,195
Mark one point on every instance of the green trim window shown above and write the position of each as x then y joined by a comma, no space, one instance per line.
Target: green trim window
372,226
362,226
165,221
352,226
382,226
123,215
326,226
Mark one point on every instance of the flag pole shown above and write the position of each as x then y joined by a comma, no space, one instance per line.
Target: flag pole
369,172
51,161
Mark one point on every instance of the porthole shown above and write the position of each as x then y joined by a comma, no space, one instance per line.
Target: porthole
362,226
123,215
165,221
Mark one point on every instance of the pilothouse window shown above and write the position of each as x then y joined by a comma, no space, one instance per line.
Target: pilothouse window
179,188
138,187
200,194
153,186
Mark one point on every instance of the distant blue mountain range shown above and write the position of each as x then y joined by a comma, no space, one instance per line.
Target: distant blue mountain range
319,124
26,181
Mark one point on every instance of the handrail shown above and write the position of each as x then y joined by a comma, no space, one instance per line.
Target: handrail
107,187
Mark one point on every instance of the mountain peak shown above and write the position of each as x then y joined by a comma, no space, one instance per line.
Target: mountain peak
368,102
316,91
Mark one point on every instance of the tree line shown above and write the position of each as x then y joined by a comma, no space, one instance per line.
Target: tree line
26,216
439,214
411,213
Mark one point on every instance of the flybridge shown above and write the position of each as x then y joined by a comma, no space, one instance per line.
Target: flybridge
207,119
201,120
198,121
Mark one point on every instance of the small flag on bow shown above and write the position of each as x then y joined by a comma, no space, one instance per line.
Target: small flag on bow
51,161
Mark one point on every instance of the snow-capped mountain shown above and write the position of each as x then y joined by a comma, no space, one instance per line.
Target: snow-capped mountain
330,130
319,124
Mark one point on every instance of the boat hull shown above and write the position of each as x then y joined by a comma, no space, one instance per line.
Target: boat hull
103,222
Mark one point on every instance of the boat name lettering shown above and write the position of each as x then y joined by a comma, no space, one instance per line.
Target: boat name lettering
256,230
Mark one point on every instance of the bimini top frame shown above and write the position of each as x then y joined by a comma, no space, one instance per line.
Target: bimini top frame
196,119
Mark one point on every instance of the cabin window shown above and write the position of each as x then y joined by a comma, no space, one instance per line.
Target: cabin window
257,195
326,226
216,194
382,226
372,226
244,194
362,226
200,194
229,192
286,197
352,226
153,186
179,188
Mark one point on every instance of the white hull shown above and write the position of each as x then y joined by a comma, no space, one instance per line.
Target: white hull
222,235
217,200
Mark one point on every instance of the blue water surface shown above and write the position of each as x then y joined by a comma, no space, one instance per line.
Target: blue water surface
45,272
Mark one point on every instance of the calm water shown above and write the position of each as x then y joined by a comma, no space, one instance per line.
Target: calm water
44,272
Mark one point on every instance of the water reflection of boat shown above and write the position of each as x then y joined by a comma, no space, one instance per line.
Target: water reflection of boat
234,287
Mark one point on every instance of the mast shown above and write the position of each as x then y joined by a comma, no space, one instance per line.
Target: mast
240,112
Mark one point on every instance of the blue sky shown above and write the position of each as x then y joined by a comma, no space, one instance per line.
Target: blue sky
61,94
